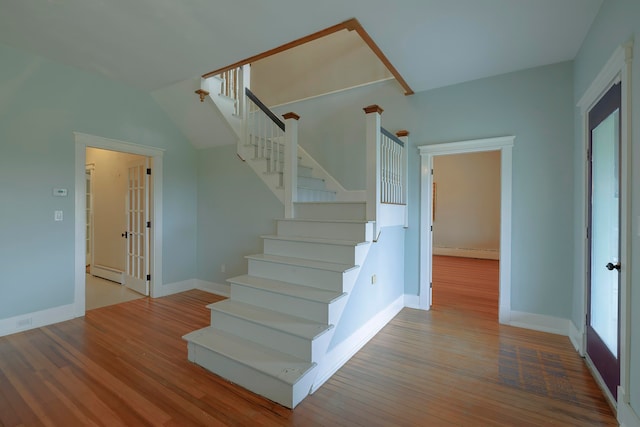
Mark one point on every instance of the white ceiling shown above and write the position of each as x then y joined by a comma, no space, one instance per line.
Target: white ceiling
152,44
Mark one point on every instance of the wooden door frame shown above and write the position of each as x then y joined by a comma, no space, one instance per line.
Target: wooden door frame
427,152
82,142
617,69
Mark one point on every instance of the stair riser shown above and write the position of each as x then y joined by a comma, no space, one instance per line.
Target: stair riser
307,195
312,310
312,183
264,335
323,279
305,171
331,211
310,250
358,232
251,379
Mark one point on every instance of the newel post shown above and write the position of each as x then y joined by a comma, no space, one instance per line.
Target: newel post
290,175
374,113
403,135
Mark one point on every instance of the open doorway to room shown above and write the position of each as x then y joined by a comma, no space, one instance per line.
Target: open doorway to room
429,197
466,232
118,221
117,207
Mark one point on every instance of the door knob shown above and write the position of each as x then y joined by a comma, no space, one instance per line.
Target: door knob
612,266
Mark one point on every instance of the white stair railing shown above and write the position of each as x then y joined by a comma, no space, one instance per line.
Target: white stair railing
269,138
387,165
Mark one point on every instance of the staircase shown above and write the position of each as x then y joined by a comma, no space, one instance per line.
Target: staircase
273,332
270,335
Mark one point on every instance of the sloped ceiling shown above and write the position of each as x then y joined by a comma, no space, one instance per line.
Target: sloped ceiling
152,44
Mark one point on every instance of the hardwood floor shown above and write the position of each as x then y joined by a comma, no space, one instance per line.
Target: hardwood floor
127,365
466,284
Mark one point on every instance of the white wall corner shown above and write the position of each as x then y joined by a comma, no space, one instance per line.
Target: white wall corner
627,417
539,322
576,336
37,319
176,287
412,301
221,289
340,354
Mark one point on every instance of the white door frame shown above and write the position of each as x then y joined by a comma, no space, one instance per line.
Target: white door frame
617,69
427,153
83,141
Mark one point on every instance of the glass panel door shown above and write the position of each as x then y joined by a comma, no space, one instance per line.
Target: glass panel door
604,277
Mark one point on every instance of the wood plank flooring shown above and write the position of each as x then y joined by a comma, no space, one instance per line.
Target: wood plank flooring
466,284
127,365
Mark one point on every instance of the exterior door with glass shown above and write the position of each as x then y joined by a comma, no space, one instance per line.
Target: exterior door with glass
603,296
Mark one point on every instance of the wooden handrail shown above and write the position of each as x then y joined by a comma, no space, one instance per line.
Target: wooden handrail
349,25
391,137
264,109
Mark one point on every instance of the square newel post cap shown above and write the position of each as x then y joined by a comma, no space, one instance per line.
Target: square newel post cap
288,116
373,109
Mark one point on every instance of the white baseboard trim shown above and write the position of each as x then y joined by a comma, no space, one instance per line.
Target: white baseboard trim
539,322
576,338
627,417
339,355
467,253
176,287
37,319
214,288
107,273
412,301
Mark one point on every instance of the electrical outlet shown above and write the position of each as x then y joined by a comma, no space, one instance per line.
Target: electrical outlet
223,268
58,216
373,279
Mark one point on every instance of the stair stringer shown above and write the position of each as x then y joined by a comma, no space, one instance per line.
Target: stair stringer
319,371
225,105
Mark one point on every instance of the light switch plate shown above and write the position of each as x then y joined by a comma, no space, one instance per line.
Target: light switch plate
57,215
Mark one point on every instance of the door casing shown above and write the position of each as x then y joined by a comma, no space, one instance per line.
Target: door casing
83,141
617,69
427,153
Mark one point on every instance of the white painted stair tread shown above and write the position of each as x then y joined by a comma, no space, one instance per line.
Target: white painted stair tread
279,365
328,221
292,325
301,262
314,240
302,292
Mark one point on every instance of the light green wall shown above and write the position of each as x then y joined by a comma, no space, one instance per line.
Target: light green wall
535,105
235,207
41,104
617,22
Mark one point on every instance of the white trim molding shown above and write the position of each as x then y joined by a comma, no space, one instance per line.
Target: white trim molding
503,144
616,70
540,322
627,417
222,289
83,141
37,319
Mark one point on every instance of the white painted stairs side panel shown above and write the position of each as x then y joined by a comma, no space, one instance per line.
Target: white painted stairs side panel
281,377
326,229
336,251
314,304
301,337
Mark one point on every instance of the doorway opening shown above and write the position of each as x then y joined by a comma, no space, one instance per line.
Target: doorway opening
119,215
118,197
428,153
466,233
